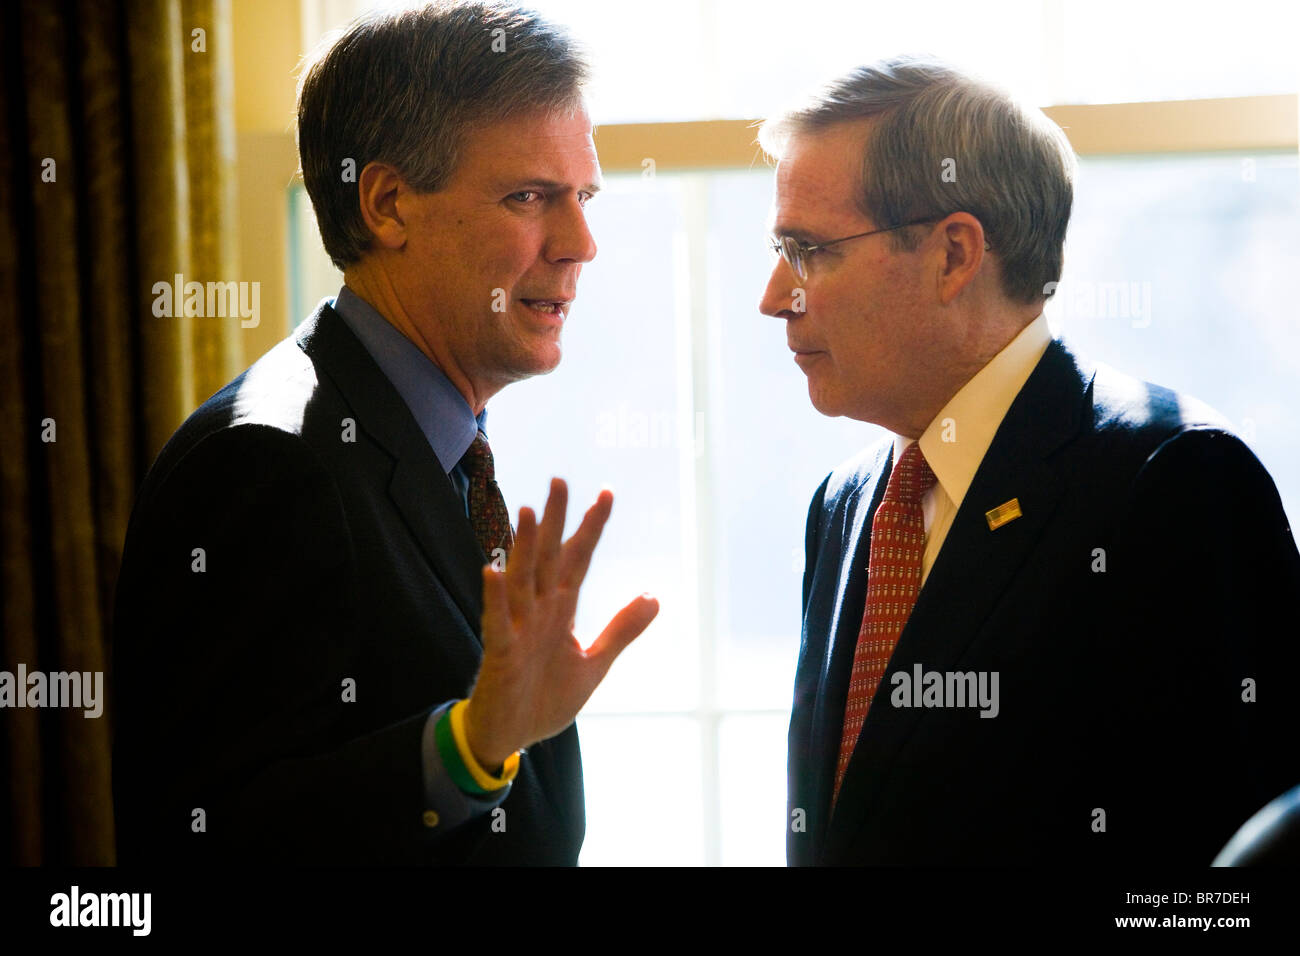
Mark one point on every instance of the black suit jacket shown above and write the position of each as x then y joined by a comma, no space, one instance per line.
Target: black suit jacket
1122,734
325,560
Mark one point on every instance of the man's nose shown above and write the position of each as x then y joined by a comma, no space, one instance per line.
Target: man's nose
782,292
571,240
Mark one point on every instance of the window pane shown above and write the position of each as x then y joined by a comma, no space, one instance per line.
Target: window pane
1117,51
773,53
644,791
720,59
752,753
1180,271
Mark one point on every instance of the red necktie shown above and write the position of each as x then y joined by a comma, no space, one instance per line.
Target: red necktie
488,514
893,582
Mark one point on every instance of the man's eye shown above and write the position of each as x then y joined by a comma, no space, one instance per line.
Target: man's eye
584,198
526,195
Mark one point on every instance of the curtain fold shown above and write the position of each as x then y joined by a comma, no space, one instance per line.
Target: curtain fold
116,173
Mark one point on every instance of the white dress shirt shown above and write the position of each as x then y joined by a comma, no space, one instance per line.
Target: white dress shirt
955,442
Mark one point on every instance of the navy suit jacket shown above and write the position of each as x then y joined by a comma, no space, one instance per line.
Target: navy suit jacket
1145,596
334,549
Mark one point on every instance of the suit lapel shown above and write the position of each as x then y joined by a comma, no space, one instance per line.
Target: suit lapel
974,569
846,620
419,488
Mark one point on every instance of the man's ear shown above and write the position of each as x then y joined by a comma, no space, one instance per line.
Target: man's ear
962,252
378,187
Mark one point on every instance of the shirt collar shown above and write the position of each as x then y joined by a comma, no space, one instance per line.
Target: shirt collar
956,441
445,418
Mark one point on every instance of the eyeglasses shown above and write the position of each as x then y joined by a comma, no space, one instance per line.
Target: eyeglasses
796,253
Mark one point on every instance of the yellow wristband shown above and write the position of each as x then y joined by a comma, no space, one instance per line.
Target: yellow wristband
481,776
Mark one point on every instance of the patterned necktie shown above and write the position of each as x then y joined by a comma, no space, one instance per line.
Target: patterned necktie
893,582
488,514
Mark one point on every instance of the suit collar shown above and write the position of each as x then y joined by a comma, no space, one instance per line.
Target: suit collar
445,418
1046,414
418,486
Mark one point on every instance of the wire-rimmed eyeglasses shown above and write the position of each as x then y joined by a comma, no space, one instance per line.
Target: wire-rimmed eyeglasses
796,253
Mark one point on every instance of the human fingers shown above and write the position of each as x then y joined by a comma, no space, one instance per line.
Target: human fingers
497,629
521,565
625,627
549,536
579,548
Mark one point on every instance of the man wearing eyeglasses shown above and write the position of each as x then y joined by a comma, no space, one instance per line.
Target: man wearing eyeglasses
1049,618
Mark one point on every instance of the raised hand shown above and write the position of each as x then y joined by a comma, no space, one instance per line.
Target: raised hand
535,675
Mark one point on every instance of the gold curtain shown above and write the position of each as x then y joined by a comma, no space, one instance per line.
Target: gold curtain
116,173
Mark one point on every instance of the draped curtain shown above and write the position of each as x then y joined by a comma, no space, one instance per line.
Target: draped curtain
116,173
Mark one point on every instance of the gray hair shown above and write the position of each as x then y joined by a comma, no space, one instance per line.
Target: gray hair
404,87
1012,168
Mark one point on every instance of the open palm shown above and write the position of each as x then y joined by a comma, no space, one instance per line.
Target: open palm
535,675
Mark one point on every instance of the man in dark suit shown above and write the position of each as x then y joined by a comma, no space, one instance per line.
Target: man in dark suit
322,653
1049,619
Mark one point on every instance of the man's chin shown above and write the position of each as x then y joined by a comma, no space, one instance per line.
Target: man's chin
548,358
539,361
823,401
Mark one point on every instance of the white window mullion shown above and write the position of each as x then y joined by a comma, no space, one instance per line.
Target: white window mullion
698,423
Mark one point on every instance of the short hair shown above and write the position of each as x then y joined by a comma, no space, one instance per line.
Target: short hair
406,86
1013,168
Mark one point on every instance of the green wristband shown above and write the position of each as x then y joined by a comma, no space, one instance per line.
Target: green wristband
450,753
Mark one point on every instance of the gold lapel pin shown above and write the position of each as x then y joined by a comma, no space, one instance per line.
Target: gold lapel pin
1003,514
